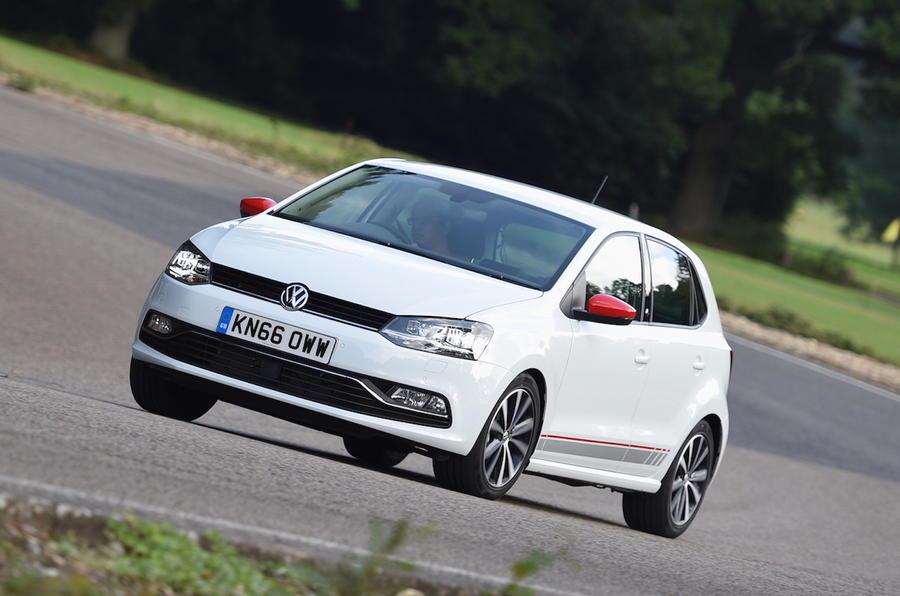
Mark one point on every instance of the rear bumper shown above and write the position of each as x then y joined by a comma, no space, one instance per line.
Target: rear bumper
470,387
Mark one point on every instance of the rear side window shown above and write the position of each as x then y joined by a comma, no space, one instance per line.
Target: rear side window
673,286
616,270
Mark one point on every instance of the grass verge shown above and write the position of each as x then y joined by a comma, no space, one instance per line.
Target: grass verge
312,149
57,550
771,295
814,230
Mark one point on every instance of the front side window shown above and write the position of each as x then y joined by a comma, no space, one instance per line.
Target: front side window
616,270
444,221
672,285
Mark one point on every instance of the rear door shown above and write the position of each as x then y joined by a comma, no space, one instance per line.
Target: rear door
589,424
681,358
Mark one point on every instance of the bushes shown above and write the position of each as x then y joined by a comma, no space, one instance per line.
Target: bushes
828,264
751,237
786,320
765,240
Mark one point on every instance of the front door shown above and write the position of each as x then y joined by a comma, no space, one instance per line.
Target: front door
590,423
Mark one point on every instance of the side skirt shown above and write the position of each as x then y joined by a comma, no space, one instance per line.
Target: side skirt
588,476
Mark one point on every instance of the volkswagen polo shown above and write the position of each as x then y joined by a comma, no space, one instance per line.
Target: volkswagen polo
494,327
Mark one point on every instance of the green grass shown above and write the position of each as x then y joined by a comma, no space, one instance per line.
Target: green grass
815,227
819,223
318,151
877,278
866,320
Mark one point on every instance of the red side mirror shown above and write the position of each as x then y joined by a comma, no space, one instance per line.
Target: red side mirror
255,205
603,308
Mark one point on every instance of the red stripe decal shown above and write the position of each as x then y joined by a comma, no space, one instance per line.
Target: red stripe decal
603,442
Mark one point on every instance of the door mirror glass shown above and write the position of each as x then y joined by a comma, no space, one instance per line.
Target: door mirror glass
255,205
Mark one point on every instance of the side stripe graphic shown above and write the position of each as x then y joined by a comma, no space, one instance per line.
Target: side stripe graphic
627,452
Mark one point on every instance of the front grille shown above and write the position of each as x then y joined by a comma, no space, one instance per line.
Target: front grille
319,304
257,365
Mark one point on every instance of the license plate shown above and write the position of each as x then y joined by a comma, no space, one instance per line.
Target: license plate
287,338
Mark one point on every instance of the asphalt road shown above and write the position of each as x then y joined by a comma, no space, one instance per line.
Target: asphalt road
808,499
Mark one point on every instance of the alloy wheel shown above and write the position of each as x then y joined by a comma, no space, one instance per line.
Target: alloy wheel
690,479
509,437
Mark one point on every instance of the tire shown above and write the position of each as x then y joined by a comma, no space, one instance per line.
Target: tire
378,453
158,393
473,473
653,513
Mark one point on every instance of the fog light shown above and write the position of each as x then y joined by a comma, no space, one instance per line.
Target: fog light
160,324
419,400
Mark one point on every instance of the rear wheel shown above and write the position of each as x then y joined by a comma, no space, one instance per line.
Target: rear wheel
671,510
157,392
379,453
503,448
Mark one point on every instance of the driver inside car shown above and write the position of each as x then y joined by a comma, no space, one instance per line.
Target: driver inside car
430,222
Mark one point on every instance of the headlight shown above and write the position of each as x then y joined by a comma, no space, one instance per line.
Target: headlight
451,337
189,265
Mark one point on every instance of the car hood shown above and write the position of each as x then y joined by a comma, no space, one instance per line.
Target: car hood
352,269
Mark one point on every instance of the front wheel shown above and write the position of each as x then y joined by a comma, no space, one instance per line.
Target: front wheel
671,510
503,448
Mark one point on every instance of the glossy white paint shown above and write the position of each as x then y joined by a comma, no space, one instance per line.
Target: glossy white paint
622,392
387,279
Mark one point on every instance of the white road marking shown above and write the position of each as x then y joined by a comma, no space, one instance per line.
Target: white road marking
824,370
128,505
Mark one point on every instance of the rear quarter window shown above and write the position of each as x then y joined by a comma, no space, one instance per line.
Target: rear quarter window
700,307
677,297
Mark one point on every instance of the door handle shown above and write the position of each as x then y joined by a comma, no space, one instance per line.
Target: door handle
699,364
641,357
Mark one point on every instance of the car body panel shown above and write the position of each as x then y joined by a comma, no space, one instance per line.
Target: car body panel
608,420
470,386
591,419
352,269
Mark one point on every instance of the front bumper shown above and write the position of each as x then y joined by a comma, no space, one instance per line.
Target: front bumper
471,388
274,369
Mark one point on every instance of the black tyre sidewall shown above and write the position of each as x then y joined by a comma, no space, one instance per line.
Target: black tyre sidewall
377,452
159,394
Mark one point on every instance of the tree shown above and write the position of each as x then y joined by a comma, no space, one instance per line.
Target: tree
777,132
873,201
116,20
700,111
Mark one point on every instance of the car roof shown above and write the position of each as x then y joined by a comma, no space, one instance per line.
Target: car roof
603,220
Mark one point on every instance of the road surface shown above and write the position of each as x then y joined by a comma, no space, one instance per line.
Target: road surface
807,501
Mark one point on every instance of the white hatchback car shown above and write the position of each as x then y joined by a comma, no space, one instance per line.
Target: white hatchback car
496,327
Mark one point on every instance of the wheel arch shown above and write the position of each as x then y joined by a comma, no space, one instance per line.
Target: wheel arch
541,381
718,429
716,424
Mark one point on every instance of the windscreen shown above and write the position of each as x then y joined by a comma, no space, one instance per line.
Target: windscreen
445,221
